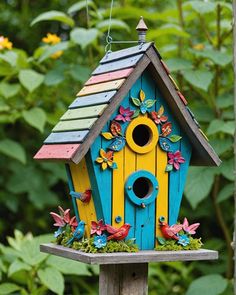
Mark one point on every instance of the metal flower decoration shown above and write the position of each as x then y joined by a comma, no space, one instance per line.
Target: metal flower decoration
97,227
159,117
142,103
106,160
175,159
124,115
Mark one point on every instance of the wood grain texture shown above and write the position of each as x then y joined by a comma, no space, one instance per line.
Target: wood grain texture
56,152
123,279
93,99
117,65
86,112
120,54
123,257
74,125
203,153
66,137
96,129
109,76
101,87
81,183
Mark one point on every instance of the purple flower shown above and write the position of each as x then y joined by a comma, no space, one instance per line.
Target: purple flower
100,241
125,114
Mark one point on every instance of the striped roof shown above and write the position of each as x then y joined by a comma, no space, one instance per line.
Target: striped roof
77,129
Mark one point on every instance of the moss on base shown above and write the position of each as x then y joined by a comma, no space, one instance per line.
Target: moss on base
172,245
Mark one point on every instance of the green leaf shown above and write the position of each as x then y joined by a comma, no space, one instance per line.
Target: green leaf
167,29
226,192
149,103
227,169
9,90
10,57
83,37
136,101
115,24
52,279
161,240
50,50
199,78
174,138
136,114
8,288
13,149
36,118
224,101
16,266
54,15
218,57
54,77
68,268
169,167
30,79
212,284
199,183
201,7
222,145
30,253
80,73
218,125
178,64
80,5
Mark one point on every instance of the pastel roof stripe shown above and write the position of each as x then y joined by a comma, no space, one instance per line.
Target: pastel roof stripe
109,76
57,151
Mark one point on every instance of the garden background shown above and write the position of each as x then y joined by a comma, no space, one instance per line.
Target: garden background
38,80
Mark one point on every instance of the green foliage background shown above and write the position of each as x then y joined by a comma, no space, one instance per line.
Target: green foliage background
195,40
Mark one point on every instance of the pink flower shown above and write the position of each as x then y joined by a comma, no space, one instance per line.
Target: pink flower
125,114
64,218
175,159
97,227
190,229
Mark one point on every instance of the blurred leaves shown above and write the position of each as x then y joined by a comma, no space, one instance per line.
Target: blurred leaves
84,37
36,118
198,78
30,79
54,15
13,149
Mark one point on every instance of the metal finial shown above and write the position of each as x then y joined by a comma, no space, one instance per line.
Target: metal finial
142,30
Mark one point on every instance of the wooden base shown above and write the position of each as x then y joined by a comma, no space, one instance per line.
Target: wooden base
123,279
123,257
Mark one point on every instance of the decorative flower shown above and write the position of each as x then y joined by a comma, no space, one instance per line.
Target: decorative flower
190,229
158,116
5,43
175,159
64,218
143,104
100,241
106,160
166,129
183,240
51,39
125,114
97,227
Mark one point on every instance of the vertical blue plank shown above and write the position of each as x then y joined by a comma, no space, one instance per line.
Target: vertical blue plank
71,188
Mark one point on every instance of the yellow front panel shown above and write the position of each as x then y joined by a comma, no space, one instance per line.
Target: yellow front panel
162,198
81,183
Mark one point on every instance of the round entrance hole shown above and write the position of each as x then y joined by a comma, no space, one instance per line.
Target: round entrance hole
141,135
142,187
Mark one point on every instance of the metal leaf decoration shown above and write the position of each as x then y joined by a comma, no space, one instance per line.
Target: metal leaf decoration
165,144
117,144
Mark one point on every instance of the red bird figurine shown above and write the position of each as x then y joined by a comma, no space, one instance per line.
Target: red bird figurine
118,233
170,232
86,196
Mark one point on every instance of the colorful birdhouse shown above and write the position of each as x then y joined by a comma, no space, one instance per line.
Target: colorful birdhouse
127,140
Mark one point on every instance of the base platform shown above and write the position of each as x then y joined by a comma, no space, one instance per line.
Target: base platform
145,256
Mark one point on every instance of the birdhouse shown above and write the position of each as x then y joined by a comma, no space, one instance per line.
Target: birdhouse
127,140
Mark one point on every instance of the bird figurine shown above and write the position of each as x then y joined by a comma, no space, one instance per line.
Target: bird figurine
118,233
170,232
84,197
78,233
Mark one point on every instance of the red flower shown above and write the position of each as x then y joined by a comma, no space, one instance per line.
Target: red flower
97,227
125,114
64,218
158,117
166,129
175,159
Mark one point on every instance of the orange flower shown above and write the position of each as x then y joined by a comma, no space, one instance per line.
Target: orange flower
106,160
51,39
5,43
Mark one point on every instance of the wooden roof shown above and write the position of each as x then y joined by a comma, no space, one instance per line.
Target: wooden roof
77,129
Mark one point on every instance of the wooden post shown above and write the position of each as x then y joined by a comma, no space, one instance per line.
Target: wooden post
123,279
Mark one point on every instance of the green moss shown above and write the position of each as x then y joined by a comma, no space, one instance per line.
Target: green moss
172,245
86,245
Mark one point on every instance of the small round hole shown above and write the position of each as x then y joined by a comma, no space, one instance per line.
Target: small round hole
141,135
142,187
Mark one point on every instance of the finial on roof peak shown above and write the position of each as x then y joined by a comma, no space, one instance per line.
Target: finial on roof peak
142,30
